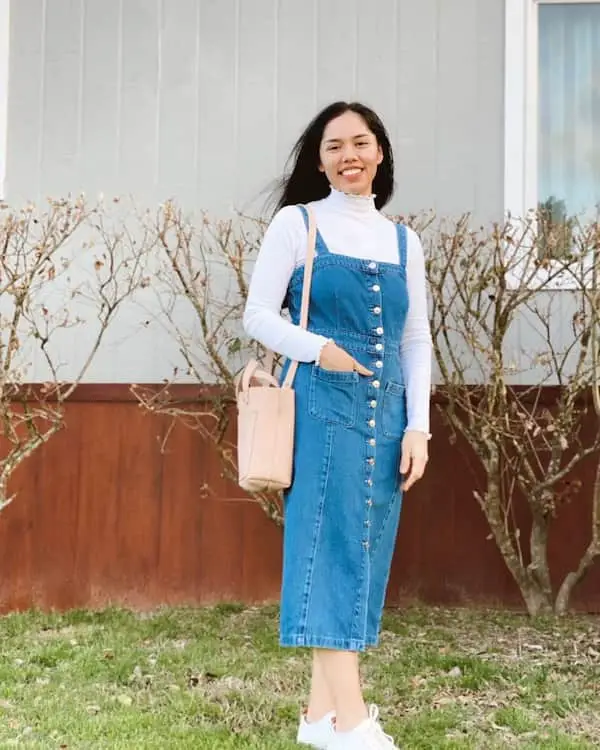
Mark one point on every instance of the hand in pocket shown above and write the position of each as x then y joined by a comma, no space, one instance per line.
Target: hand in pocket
336,359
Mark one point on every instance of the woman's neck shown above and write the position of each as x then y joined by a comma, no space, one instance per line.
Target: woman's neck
358,204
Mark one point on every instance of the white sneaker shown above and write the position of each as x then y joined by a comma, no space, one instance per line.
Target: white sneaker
368,735
316,733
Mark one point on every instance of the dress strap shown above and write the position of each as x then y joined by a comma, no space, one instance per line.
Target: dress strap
402,240
304,212
320,246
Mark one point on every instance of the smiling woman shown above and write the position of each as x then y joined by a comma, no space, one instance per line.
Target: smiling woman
362,402
342,131
350,154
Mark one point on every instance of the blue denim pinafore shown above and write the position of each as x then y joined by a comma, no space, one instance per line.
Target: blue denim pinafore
343,507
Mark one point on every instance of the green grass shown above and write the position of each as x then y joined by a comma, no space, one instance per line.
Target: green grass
216,678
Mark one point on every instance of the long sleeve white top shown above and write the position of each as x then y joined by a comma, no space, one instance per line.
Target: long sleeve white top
349,225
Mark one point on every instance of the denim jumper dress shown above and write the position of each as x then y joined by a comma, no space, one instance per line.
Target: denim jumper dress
343,507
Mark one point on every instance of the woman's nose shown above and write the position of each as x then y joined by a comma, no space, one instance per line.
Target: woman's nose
348,153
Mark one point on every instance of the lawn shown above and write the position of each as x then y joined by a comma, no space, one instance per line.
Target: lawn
216,678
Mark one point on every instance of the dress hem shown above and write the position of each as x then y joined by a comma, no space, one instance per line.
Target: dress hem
335,644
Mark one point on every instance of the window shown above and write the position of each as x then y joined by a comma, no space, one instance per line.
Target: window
552,114
4,40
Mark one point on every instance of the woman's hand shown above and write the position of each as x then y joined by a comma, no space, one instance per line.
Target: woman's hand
337,359
414,457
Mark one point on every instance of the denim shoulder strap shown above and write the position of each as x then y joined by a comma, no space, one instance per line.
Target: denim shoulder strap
304,213
320,246
402,236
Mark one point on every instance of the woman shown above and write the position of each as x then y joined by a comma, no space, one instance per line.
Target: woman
362,403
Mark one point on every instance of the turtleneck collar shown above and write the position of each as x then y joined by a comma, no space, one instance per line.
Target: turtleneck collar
357,204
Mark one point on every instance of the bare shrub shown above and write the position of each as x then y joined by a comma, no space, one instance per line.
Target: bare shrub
203,270
502,333
61,270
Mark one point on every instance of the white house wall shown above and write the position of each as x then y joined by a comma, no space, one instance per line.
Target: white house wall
201,100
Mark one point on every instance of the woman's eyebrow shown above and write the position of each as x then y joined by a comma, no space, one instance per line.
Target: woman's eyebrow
338,140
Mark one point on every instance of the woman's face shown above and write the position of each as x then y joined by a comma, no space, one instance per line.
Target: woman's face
350,154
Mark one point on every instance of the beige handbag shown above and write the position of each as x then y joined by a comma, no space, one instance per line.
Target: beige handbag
266,410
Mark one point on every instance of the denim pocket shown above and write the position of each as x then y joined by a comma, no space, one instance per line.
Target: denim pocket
333,396
393,420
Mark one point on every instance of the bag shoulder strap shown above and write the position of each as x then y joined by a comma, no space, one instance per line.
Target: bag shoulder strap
308,268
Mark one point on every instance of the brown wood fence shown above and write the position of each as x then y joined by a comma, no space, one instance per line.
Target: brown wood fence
101,517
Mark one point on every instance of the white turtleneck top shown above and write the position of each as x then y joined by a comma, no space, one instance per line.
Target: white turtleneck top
349,225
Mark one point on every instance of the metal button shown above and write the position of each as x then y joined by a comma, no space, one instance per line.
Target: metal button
372,442
373,404
379,331
371,461
370,482
368,524
378,347
369,503
376,288
366,545
379,364
372,265
371,423
376,384
376,310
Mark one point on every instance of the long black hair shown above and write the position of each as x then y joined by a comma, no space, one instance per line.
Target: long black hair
305,182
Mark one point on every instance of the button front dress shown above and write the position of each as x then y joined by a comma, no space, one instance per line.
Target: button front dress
343,507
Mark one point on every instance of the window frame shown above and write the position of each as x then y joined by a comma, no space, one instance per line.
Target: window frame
521,98
4,73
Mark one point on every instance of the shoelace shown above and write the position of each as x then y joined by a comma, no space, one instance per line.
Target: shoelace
378,729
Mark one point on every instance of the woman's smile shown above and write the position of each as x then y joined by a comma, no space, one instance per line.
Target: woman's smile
351,173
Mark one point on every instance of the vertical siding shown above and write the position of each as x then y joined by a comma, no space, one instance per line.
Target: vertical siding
129,526
216,115
417,62
23,159
456,106
138,134
256,105
297,66
201,100
338,49
98,166
378,76
178,97
60,97
4,54
488,115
